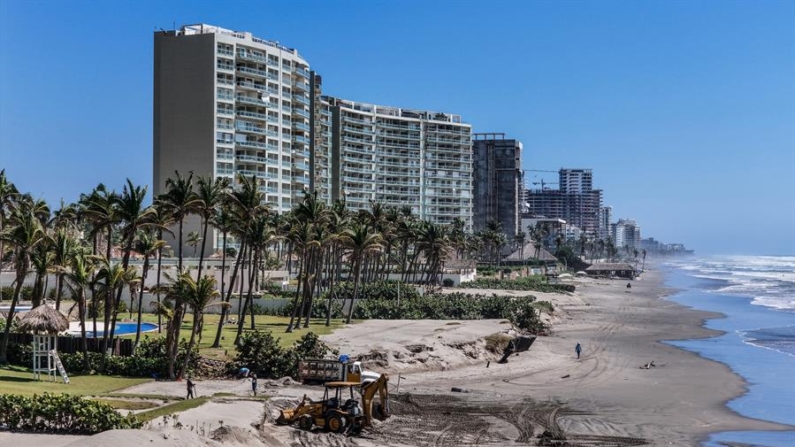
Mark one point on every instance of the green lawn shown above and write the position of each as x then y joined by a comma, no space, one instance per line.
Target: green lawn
17,380
176,407
276,325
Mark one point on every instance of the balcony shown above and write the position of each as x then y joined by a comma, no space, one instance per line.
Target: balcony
386,143
254,144
225,52
258,116
300,112
229,142
301,126
225,67
301,85
301,72
245,127
247,55
358,150
254,101
302,166
251,158
358,130
224,111
299,139
224,156
300,98
253,71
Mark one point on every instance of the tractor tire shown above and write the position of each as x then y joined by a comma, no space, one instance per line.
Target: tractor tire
335,423
306,422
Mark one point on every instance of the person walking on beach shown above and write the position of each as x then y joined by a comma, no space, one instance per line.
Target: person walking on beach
191,389
578,350
254,383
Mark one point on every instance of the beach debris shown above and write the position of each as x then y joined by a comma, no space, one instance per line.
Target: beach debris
648,365
518,344
566,376
456,389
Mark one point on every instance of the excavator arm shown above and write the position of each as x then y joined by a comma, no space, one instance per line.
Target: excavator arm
380,411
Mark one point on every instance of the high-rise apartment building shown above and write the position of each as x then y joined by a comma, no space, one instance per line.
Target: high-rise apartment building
497,182
229,103
605,219
395,156
576,201
626,233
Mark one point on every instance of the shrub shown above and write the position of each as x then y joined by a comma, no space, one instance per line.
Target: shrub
6,293
26,293
448,282
60,413
525,317
260,352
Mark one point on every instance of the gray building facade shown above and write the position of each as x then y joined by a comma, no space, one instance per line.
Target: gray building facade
497,182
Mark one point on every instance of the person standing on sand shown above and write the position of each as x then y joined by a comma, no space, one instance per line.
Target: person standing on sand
578,350
191,389
254,383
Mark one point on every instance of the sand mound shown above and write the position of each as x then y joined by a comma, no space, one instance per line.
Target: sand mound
134,438
231,436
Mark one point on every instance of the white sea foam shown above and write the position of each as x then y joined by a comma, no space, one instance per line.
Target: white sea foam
768,280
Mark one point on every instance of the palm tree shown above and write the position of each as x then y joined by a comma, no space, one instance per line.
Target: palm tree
360,240
115,277
180,200
433,243
224,222
78,277
8,193
210,194
24,234
520,239
133,216
643,253
199,296
42,261
161,221
193,240
63,249
147,246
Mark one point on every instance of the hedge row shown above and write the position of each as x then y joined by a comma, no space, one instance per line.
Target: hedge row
525,284
262,354
60,413
149,360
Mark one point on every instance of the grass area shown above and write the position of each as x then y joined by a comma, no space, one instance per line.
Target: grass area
127,404
18,380
176,407
276,325
143,396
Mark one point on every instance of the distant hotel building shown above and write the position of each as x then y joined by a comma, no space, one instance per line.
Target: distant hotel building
626,233
399,157
497,182
605,219
576,201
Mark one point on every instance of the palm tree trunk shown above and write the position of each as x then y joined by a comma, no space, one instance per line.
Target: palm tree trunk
159,265
301,267
141,300
190,343
331,291
10,317
204,246
228,298
249,296
250,299
108,299
355,289
83,342
59,291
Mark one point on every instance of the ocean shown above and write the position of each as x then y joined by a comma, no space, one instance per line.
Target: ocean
757,296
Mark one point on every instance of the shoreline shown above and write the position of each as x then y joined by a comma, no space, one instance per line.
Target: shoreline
681,401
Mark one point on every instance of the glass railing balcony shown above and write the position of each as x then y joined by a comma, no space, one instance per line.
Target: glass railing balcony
272,147
358,150
348,168
300,112
222,126
252,86
351,119
225,156
253,100
360,130
272,76
301,85
273,63
225,67
221,171
225,52
249,173
367,161
302,126
255,144
303,166
254,115
220,141
253,71
301,71
252,57
224,97
388,143
300,179
224,81
251,158
300,98
298,139
223,111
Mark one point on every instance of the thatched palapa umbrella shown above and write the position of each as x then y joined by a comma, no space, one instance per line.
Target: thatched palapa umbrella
45,323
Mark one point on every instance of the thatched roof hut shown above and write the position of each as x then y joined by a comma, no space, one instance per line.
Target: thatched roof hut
528,254
43,319
619,269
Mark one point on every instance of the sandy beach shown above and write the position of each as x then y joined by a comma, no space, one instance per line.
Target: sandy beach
604,398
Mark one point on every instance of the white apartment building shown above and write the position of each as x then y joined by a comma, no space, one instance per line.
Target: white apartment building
229,103
626,232
395,156
605,219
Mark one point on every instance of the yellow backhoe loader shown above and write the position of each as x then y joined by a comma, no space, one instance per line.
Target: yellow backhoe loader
339,410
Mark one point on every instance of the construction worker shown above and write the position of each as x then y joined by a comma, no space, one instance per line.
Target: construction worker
578,350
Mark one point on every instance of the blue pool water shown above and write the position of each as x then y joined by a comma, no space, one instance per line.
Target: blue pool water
123,329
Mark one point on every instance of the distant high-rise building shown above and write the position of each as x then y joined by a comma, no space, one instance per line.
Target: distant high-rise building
576,201
605,219
395,156
497,182
626,233
227,103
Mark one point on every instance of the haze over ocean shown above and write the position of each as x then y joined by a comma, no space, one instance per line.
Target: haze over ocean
757,295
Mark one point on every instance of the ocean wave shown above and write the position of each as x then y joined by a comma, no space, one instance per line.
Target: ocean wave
768,280
781,339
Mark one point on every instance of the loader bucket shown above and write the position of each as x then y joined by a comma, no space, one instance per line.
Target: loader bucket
285,417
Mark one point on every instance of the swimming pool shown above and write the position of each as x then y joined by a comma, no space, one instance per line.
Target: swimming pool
121,329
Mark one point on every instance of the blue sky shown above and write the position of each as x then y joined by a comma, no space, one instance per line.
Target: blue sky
685,110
